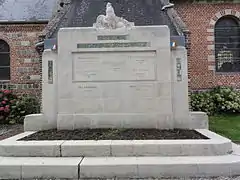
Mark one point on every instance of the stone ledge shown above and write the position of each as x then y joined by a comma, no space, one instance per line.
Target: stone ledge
194,166
39,167
199,120
31,149
120,167
216,145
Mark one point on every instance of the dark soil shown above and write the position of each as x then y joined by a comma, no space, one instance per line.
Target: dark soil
114,134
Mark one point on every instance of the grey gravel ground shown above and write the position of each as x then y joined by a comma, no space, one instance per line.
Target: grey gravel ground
7,131
216,178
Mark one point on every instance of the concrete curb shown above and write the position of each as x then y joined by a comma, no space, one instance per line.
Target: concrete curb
121,167
216,145
156,167
38,167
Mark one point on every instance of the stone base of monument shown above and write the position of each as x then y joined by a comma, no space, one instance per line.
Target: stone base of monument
38,122
216,156
214,146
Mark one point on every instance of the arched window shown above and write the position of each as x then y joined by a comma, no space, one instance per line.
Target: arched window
4,61
227,44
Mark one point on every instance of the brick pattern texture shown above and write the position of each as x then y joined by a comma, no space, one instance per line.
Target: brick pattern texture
25,61
200,20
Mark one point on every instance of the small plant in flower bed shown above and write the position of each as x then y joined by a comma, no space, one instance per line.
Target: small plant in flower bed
7,99
23,106
216,101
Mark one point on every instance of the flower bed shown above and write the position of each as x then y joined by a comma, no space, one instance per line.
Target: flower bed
115,134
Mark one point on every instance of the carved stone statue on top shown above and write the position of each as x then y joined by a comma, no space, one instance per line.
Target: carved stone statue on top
111,21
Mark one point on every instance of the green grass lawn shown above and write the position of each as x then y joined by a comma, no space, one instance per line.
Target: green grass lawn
228,126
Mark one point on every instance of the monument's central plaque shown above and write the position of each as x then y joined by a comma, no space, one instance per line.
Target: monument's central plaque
115,66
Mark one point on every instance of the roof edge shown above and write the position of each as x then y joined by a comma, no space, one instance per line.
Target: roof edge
177,21
24,22
55,19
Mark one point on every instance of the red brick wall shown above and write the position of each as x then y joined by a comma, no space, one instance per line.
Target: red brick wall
200,20
25,61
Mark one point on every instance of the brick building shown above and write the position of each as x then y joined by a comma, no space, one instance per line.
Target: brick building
211,30
214,36
21,23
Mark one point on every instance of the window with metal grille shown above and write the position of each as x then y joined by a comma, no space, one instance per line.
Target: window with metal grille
227,44
4,61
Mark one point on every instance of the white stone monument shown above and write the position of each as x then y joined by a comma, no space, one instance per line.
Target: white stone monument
115,75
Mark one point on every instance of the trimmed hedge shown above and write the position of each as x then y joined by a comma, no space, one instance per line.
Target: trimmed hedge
220,100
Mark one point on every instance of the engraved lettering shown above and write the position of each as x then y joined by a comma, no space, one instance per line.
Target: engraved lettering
50,72
113,37
112,45
179,69
112,68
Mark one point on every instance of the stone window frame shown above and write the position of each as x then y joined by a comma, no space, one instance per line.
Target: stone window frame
211,37
9,55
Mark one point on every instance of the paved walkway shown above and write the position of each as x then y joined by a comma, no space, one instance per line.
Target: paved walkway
218,178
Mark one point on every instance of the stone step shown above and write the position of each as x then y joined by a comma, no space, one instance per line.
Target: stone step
121,167
39,167
215,145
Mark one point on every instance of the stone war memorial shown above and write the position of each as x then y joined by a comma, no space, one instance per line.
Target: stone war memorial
115,105
115,75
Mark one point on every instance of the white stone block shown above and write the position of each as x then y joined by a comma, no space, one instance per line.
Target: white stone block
10,168
165,167
211,58
211,47
27,60
218,15
199,120
158,167
211,68
51,167
66,106
122,148
149,148
212,22
31,34
25,43
37,122
164,89
237,14
228,11
65,121
210,38
35,77
107,121
108,167
210,30
31,148
88,148
159,121
84,121
236,149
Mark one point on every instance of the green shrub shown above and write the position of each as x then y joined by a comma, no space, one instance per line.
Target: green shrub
23,106
7,99
216,101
